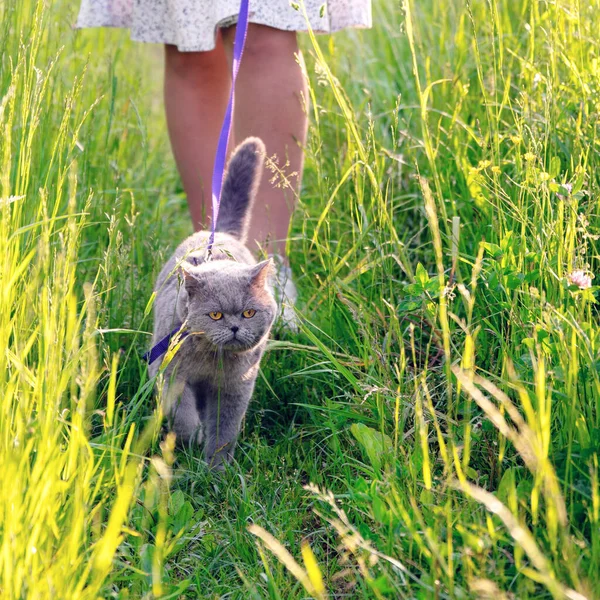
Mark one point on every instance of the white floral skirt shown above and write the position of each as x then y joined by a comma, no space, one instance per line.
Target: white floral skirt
191,25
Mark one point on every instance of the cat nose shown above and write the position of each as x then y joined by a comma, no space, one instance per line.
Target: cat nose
234,329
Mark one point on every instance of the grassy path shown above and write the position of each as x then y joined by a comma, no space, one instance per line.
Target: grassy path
432,432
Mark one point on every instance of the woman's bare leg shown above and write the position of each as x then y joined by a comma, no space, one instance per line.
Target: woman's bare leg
197,86
269,103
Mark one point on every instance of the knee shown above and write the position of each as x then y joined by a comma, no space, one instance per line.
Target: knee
194,66
267,43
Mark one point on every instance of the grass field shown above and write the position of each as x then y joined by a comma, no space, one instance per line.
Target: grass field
434,429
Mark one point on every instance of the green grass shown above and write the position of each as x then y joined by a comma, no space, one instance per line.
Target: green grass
432,432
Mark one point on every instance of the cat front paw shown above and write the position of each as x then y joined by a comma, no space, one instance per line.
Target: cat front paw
220,459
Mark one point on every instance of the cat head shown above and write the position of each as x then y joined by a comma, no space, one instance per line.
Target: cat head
229,303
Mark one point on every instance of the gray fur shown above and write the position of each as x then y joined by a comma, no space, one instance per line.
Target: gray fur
239,188
207,386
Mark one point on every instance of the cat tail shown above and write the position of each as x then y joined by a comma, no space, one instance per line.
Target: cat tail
239,188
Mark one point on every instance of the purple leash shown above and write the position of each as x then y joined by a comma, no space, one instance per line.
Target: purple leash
220,157
219,169
159,349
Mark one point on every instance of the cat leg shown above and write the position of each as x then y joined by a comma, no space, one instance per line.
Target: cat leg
224,414
178,404
184,418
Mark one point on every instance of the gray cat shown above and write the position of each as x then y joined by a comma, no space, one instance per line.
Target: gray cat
228,308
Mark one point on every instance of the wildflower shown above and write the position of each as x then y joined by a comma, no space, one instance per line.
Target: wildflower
568,187
580,278
529,156
564,187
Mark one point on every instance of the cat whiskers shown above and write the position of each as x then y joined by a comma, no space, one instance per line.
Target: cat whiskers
247,338
222,338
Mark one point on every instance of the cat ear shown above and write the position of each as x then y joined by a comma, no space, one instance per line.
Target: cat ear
192,284
259,275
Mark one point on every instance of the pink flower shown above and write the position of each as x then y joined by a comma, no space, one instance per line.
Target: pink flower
580,278
565,186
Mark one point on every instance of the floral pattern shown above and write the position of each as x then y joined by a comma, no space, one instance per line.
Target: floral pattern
191,25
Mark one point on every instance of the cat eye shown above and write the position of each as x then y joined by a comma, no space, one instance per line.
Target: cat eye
215,316
249,313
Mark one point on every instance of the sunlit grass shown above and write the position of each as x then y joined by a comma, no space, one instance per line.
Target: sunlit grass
432,432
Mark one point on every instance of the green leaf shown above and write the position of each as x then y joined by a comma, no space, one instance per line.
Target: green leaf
578,183
382,585
554,167
146,554
492,249
513,281
183,517
377,445
507,486
472,473
176,502
427,498
380,511
532,276
529,342
421,275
